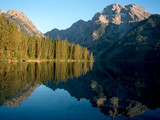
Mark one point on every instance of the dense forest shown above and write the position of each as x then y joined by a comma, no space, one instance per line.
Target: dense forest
16,45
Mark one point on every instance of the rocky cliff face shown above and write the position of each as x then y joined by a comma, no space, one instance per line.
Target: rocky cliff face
105,28
140,44
23,23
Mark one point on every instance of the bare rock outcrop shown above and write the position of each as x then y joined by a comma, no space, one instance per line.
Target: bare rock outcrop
23,22
2,12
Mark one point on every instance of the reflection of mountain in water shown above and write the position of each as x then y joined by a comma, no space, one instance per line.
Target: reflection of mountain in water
141,81
19,80
127,89
116,89
21,95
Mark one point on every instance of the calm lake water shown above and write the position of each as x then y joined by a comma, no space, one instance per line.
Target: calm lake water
79,91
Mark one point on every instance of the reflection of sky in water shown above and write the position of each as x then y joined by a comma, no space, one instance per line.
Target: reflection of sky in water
150,115
47,104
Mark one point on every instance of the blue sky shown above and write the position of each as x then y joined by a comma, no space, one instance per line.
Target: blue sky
61,14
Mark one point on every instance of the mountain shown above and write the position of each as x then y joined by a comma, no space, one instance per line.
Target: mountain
23,23
105,28
22,95
140,44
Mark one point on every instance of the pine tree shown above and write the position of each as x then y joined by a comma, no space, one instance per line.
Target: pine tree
58,49
85,54
4,28
64,53
52,49
43,49
78,52
31,48
38,48
91,57
24,46
70,51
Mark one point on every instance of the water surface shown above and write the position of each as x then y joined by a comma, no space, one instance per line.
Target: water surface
79,91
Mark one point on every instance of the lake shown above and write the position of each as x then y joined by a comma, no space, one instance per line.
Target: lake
79,91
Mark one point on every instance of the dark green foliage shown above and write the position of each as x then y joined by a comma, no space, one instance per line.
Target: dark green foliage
15,45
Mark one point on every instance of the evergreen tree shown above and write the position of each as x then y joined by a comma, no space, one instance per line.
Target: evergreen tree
70,51
31,48
3,36
38,48
91,57
43,49
52,50
85,54
64,53
24,46
78,52
58,49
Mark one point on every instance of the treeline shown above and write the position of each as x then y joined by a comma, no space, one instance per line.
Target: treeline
15,45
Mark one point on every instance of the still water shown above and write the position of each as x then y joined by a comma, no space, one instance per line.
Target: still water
79,91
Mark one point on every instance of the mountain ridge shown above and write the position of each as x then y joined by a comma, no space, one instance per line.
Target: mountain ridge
104,28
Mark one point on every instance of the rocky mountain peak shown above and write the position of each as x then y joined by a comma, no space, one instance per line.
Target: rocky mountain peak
23,22
137,13
17,13
12,12
117,14
2,12
113,7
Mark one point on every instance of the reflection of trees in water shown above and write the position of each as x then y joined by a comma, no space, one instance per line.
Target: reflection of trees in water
14,77
64,71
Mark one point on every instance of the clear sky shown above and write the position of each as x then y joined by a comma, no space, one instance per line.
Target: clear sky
61,14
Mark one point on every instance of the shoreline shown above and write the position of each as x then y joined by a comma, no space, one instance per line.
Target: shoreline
9,61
